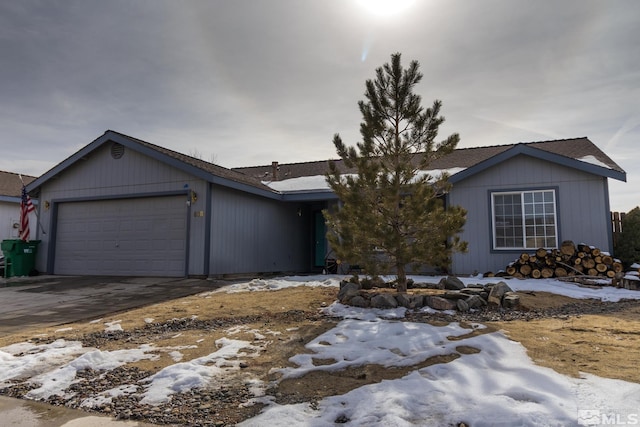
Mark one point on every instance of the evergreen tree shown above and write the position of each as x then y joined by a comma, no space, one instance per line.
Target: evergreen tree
628,244
392,214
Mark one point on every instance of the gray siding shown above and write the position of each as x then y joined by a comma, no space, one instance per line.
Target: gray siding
582,208
250,234
101,176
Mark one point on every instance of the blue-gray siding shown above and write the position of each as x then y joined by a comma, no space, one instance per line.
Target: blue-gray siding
101,177
582,203
250,234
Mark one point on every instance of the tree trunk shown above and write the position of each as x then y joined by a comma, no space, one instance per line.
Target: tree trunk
401,286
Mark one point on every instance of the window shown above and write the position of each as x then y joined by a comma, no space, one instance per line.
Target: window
524,220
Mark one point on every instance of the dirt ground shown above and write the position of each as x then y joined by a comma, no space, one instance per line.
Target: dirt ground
283,321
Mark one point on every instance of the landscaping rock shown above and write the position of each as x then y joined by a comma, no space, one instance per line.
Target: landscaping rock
384,301
359,301
439,303
403,300
462,305
452,283
347,291
454,295
476,301
510,300
416,301
497,292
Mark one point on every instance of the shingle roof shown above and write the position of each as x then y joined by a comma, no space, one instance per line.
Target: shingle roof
10,184
251,178
211,168
575,148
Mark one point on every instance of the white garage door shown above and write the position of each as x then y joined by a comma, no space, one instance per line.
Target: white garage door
124,237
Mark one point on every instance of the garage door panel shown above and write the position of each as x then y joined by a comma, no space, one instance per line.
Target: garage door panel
144,236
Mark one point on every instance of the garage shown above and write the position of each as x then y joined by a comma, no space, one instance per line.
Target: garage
122,237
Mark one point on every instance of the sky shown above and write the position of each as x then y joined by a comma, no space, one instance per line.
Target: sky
244,83
498,385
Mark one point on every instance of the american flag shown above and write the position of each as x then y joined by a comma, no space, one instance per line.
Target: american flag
26,206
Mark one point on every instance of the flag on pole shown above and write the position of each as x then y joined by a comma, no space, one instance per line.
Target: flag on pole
26,206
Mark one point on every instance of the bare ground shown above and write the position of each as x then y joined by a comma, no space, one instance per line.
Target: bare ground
283,321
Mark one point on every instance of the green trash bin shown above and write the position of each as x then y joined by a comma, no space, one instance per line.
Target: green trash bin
19,257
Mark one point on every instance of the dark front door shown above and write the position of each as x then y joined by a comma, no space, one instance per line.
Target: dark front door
319,238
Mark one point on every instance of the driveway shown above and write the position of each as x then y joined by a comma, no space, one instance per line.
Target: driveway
56,300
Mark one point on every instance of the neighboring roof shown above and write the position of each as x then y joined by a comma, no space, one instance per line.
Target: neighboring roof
11,186
579,153
200,168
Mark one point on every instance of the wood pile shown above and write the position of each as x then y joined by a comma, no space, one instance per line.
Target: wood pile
568,260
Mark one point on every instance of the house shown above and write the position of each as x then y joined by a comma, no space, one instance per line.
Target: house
10,197
122,206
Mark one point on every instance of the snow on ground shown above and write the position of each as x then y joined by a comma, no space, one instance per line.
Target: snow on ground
499,385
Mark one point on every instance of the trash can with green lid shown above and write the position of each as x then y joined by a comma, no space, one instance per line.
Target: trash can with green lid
19,257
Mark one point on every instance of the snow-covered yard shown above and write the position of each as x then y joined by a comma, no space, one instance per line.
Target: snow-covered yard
497,385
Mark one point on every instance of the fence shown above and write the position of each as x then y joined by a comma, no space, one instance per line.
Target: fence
616,223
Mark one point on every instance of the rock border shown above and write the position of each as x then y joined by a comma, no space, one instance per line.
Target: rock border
455,296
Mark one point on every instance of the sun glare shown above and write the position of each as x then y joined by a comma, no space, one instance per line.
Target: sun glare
384,8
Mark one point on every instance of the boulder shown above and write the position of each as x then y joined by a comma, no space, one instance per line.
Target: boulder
452,283
510,300
454,295
359,301
439,303
475,301
462,305
384,301
347,291
403,300
416,301
497,292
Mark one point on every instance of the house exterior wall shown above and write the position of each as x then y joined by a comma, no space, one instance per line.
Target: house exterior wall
250,234
100,176
582,208
9,215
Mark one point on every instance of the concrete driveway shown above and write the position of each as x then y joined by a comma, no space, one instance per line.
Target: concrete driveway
56,300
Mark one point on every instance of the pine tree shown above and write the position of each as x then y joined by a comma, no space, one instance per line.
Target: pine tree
628,245
392,215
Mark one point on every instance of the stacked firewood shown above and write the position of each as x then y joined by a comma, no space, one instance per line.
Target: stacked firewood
568,260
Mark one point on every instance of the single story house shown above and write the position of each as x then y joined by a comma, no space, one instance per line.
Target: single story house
10,197
122,206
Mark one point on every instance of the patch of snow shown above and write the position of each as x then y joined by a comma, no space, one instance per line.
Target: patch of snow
594,161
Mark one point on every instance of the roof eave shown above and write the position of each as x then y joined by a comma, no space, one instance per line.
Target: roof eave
542,155
110,136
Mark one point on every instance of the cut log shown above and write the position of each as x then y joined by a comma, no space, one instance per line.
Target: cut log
588,262
607,260
611,274
525,269
584,248
597,259
511,270
581,254
577,261
535,273
560,272
617,267
601,268
595,251
541,253
524,258
547,272
592,272
568,248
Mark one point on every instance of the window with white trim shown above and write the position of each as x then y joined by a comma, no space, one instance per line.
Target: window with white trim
524,219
